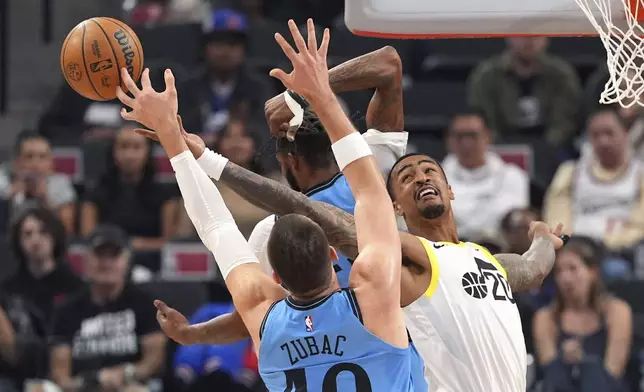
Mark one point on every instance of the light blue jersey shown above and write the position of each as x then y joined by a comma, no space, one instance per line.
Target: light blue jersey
336,192
322,346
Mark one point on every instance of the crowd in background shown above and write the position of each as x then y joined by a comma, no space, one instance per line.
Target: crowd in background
92,322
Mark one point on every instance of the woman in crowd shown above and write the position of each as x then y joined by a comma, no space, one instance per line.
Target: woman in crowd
583,338
129,196
37,240
239,144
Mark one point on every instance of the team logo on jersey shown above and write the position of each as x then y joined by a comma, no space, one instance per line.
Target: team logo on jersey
475,284
308,323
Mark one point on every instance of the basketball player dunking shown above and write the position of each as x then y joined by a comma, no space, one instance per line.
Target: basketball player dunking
461,311
319,337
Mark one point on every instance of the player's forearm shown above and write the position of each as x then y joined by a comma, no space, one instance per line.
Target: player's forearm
279,199
380,69
528,270
225,329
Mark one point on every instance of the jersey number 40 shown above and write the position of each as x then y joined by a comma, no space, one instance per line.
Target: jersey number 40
296,378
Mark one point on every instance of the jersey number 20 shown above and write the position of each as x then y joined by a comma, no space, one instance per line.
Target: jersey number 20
296,378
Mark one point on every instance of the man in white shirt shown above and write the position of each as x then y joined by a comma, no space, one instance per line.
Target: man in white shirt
487,187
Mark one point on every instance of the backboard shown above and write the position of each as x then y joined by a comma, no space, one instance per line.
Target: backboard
476,18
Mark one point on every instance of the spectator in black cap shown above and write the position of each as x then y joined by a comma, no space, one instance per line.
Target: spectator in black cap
106,338
226,83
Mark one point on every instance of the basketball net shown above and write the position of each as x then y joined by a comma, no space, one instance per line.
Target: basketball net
624,43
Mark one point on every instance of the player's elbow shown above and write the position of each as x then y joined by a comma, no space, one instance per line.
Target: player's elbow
393,64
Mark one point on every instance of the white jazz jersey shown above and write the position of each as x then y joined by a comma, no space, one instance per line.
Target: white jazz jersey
466,326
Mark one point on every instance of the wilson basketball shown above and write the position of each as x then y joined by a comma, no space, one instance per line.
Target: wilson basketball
94,53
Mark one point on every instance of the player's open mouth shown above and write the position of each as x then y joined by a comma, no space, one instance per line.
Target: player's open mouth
426,192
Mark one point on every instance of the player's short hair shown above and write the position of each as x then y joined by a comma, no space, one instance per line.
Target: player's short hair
298,251
311,142
390,184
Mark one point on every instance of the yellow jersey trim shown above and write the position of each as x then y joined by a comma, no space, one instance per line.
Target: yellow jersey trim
433,262
492,259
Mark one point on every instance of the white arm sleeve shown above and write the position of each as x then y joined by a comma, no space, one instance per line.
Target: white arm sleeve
386,147
258,241
210,216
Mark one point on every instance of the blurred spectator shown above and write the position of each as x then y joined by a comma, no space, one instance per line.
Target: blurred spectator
150,12
514,228
527,91
200,367
30,179
583,339
38,242
241,147
10,381
226,84
106,338
42,280
602,194
487,187
129,196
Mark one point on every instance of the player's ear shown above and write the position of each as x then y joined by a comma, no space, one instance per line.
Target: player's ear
451,194
276,278
294,161
398,209
333,255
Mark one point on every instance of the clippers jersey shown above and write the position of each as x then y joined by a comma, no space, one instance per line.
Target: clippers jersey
467,325
323,346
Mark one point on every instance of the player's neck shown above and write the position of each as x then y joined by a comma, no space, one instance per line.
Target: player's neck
442,229
317,177
316,294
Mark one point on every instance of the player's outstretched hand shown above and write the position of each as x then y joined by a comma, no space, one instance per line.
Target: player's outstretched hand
153,109
172,322
541,229
195,143
310,75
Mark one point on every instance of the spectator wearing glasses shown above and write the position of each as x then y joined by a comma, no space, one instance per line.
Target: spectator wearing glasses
107,338
487,186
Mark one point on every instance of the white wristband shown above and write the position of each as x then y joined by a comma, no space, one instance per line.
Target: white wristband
350,148
212,163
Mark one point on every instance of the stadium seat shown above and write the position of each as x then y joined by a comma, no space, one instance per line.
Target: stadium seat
454,59
345,45
68,161
430,105
179,43
187,261
186,297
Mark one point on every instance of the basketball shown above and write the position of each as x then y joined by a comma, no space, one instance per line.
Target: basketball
93,54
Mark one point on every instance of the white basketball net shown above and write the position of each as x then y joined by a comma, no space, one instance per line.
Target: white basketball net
622,37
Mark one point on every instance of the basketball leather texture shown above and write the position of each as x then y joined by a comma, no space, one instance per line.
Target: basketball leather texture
93,54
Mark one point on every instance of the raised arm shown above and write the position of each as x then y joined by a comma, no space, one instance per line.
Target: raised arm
527,271
380,70
252,290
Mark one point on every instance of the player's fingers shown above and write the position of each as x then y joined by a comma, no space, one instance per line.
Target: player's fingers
180,121
147,133
129,116
286,47
281,75
324,46
161,306
145,79
297,36
124,98
312,39
558,229
129,83
169,82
